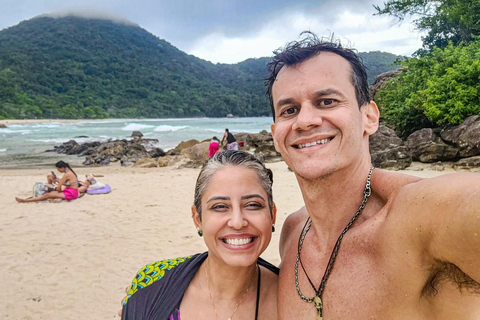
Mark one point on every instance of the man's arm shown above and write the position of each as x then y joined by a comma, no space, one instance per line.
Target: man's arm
457,235
445,214
224,136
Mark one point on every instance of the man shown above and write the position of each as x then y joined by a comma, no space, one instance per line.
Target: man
367,245
231,142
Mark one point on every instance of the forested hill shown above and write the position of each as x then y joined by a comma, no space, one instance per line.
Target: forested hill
75,67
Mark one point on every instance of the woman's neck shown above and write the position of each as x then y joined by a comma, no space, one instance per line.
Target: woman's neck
227,282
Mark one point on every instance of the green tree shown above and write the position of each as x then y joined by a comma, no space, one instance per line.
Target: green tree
433,90
444,20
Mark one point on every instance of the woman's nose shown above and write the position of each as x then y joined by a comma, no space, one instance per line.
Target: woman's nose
237,220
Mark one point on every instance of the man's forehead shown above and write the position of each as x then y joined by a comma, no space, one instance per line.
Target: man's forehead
323,60
325,66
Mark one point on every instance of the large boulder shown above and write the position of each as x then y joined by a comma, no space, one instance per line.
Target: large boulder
387,150
425,146
3,125
197,152
465,136
182,145
467,163
382,79
146,163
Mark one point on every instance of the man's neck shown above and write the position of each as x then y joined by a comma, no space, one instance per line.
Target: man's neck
332,201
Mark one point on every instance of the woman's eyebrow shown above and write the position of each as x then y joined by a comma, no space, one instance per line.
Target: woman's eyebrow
218,198
250,196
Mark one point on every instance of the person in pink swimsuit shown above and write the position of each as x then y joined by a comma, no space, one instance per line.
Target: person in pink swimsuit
69,180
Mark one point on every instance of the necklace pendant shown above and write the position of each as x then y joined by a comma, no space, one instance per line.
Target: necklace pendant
317,302
229,319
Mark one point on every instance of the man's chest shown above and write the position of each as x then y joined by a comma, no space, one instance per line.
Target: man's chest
365,283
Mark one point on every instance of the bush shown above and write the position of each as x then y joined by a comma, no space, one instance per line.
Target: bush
436,89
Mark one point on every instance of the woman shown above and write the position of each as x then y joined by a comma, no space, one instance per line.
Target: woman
213,147
234,212
69,180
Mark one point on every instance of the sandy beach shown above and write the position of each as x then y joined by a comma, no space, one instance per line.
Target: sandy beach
72,260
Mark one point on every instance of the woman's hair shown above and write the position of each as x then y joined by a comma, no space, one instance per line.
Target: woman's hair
232,158
215,138
63,164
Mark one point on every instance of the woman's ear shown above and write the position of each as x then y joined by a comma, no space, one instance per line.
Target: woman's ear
196,218
274,213
371,117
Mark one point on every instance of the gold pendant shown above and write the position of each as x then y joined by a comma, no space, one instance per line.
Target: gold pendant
317,302
229,319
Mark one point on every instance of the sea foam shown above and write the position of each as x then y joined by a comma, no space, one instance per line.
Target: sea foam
166,127
136,127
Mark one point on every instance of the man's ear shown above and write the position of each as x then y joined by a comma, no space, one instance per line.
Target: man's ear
196,218
371,117
272,128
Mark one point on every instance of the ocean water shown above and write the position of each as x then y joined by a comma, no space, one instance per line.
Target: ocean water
24,145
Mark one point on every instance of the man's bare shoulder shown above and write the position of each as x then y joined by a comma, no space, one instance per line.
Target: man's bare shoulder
292,222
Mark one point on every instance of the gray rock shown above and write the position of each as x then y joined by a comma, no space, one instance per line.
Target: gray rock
136,134
387,150
425,146
467,163
465,136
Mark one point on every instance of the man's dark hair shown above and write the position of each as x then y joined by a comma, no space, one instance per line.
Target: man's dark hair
296,52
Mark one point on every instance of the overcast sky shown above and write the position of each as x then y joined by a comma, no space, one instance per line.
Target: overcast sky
230,31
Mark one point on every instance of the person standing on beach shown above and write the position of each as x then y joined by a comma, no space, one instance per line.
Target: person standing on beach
369,244
231,142
213,147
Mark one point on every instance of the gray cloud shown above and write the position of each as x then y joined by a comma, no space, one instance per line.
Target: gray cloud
183,22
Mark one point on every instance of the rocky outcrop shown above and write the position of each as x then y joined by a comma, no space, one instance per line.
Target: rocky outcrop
182,145
381,80
467,163
3,125
260,144
465,137
425,146
451,144
103,153
388,151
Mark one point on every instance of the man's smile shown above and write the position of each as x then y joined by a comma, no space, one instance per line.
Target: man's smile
311,144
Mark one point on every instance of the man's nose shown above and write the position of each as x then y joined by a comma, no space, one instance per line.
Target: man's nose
308,116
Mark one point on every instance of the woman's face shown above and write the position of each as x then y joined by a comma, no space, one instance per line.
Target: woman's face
62,170
236,220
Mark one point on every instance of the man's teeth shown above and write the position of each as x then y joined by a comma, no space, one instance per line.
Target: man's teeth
314,143
238,242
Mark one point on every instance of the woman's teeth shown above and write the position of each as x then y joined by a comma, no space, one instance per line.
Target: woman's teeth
238,242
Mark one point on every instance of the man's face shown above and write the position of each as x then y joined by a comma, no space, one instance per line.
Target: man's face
319,127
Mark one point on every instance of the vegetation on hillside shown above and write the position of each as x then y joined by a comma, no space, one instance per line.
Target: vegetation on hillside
440,86
88,68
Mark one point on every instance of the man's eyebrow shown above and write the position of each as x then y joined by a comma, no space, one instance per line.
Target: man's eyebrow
218,198
283,102
328,92
250,196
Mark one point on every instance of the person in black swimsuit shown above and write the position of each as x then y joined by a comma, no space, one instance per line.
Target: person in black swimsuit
231,142
234,212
